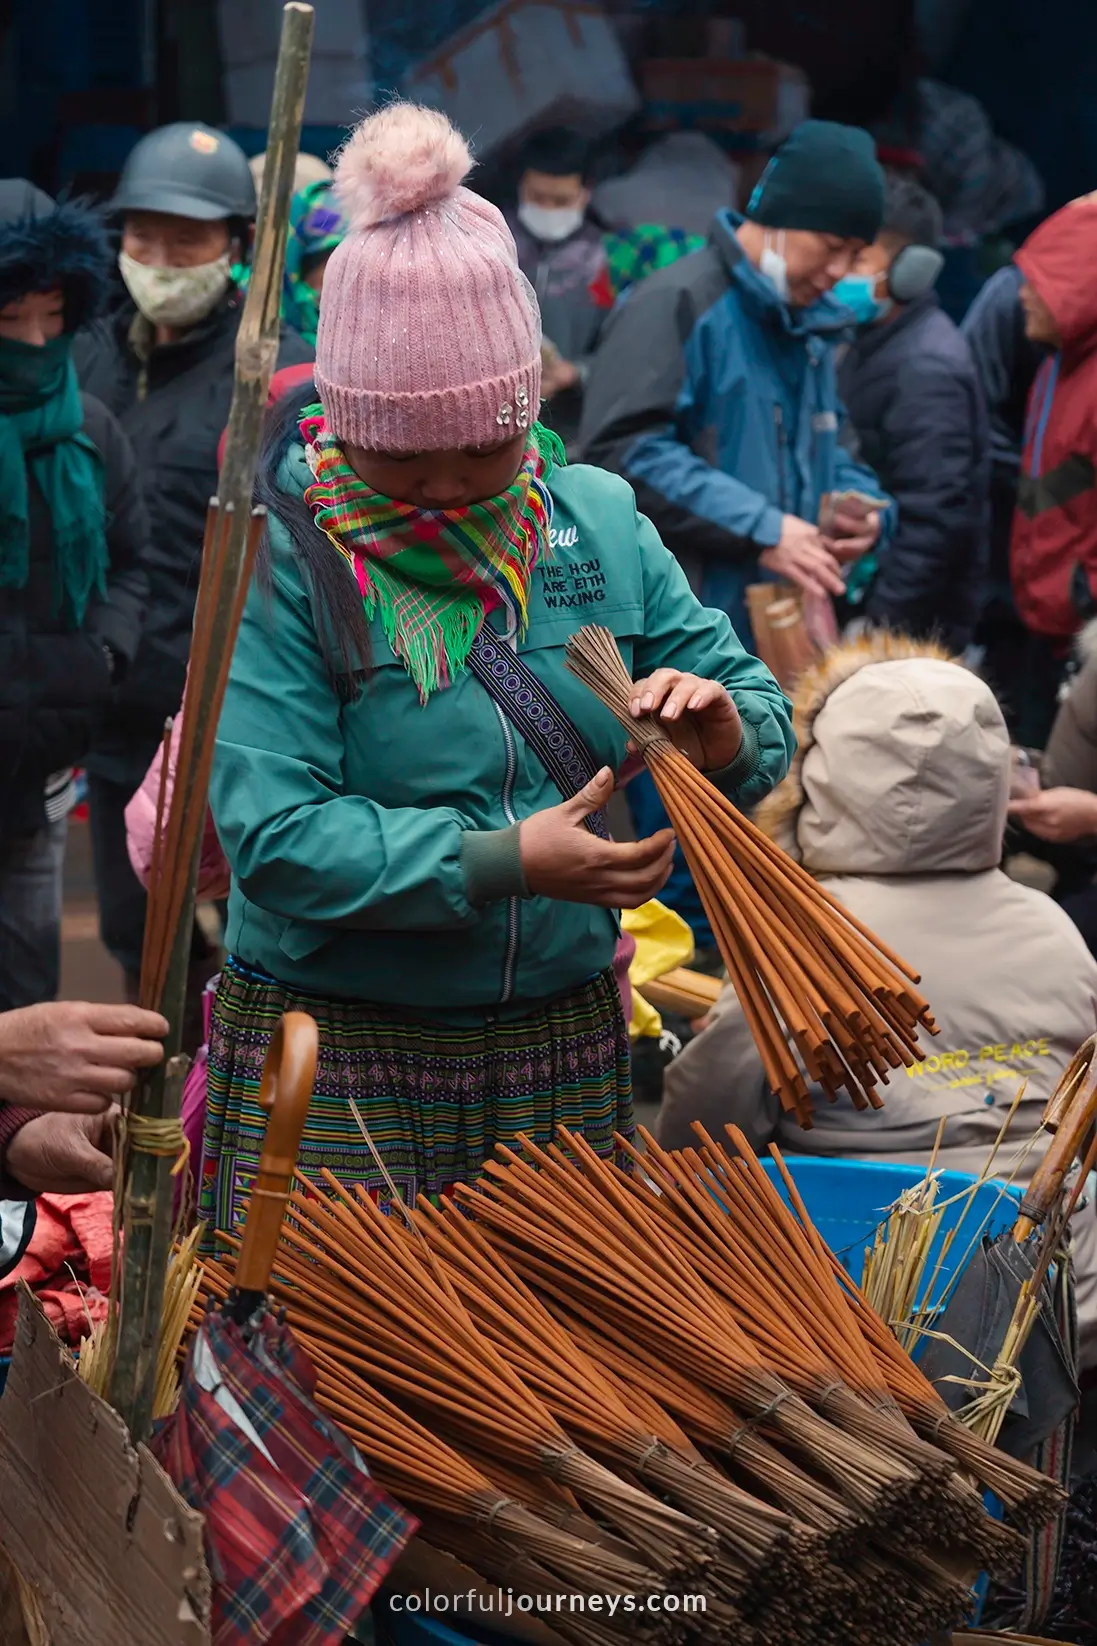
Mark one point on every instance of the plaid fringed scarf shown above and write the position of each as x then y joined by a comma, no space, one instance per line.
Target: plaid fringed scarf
433,574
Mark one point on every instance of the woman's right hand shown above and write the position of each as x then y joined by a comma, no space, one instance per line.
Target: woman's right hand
563,860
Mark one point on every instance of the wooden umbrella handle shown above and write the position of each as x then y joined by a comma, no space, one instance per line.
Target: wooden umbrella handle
1074,1123
284,1092
1059,1101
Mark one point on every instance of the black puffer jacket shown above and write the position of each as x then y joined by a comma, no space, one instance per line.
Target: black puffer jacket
1007,363
174,406
913,395
55,682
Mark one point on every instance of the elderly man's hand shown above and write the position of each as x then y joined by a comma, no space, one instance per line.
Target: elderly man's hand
73,1057
63,1153
1060,815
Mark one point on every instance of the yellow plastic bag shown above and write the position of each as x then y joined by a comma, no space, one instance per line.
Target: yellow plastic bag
663,941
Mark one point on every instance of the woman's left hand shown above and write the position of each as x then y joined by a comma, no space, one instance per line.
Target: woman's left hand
697,715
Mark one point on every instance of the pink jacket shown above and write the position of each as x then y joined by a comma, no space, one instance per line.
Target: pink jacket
213,871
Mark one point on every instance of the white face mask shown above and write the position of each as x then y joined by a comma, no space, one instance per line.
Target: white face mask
176,297
550,223
773,265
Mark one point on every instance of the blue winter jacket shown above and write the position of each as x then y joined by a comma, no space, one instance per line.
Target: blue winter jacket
718,401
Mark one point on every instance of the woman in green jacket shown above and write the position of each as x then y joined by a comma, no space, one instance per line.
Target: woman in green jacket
412,818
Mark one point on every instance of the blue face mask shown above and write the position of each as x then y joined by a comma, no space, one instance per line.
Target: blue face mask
858,292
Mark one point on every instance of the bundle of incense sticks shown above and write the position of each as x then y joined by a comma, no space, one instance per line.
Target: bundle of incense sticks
1030,1497
747,1342
416,1464
587,1380
807,973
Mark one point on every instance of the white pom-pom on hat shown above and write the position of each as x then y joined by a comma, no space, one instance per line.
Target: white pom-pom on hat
397,161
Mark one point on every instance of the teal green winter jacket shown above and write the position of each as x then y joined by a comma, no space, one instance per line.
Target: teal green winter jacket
372,844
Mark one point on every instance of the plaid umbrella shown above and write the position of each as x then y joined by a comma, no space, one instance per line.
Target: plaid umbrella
1007,1284
298,1536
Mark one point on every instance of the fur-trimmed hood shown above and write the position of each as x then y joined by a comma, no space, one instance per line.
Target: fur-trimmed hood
44,245
901,767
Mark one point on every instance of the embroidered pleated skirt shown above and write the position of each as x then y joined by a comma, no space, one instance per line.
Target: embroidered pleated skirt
435,1097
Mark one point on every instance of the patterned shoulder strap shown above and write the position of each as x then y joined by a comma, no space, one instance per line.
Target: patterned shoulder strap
533,710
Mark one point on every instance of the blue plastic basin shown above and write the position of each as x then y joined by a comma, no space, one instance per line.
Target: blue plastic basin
847,1200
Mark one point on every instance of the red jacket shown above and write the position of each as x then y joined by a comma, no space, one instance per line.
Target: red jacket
1054,545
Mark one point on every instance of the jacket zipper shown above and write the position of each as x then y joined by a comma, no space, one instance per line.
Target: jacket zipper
510,954
1039,414
779,425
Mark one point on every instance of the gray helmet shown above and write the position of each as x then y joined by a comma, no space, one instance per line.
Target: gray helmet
187,169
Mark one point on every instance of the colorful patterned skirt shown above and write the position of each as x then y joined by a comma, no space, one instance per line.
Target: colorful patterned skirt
436,1098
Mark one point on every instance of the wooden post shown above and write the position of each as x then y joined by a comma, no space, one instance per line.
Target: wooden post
147,1191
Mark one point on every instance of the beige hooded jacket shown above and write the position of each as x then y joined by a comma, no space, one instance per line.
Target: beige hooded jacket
897,799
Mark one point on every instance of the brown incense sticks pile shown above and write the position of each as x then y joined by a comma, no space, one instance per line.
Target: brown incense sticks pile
805,969
590,1380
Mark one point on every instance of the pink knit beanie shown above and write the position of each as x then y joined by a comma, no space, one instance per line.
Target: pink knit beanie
429,337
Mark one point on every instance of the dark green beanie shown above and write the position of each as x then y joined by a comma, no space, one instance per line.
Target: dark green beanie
824,177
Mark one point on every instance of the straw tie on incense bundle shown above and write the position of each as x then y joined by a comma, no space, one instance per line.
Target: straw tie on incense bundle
803,967
184,1284
512,1368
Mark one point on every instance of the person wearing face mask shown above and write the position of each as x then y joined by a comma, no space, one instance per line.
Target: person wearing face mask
713,390
73,584
912,390
408,782
561,251
714,393
163,362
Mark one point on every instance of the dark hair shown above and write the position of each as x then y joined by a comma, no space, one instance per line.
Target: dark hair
46,244
559,152
911,214
341,625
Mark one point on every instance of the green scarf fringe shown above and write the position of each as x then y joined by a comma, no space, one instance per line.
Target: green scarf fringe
459,624
550,449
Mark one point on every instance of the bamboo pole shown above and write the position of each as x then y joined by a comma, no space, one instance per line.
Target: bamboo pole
147,1184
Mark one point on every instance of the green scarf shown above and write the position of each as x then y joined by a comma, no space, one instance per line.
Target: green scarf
433,575
42,429
316,227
